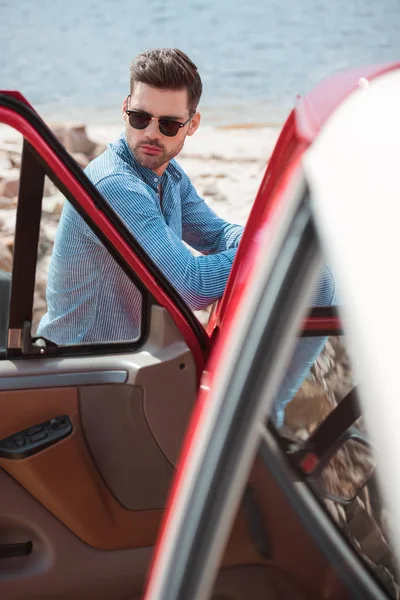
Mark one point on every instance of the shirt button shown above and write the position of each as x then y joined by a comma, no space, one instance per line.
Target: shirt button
155,180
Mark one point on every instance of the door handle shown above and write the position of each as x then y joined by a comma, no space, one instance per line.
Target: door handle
12,550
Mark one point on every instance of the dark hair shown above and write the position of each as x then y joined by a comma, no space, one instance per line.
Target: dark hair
168,69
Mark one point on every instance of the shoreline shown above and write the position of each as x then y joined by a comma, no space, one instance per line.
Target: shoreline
225,163
223,113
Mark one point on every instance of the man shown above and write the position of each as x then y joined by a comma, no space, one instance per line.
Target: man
89,297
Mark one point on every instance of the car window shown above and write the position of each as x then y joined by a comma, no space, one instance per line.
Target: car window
77,271
342,470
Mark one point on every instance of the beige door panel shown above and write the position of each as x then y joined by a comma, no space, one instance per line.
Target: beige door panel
109,479
61,565
92,503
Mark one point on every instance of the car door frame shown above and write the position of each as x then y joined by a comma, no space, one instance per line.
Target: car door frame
46,152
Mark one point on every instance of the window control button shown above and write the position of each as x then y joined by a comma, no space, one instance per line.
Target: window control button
38,436
35,429
30,441
19,440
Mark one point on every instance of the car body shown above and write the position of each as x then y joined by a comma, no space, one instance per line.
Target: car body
91,434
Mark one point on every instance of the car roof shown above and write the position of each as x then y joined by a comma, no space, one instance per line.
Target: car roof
314,109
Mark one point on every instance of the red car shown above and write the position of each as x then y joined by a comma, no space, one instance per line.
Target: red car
90,434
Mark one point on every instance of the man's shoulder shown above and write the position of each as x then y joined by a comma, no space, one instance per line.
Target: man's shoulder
108,167
107,163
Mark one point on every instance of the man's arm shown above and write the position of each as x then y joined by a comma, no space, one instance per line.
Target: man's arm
199,279
202,229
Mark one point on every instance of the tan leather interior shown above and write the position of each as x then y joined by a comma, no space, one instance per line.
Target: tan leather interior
61,565
20,409
251,582
293,550
64,479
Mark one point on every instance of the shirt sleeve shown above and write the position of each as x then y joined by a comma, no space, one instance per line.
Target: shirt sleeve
201,227
200,280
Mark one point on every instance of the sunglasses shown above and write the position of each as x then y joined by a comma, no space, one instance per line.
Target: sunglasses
169,127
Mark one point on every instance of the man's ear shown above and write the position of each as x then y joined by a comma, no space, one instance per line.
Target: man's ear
194,123
124,107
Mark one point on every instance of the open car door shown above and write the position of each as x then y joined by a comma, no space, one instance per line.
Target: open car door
90,433
311,551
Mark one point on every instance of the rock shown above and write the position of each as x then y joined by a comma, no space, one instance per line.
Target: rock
7,222
10,146
5,163
15,158
48,230
8,203
10,184
59,131
5,257
53,204
81,159
57,210
76,140
49,187
8,242
100,148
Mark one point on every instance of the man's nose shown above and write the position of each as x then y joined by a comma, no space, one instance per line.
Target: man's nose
152,129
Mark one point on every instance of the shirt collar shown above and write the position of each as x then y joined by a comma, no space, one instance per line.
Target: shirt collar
120,147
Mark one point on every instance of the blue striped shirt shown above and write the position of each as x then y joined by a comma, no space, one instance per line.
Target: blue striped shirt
89,297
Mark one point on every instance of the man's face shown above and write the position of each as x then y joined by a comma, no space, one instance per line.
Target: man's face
149,146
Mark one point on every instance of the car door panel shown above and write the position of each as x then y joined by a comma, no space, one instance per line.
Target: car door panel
108,480
63,566
118,435
65,480
60,565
